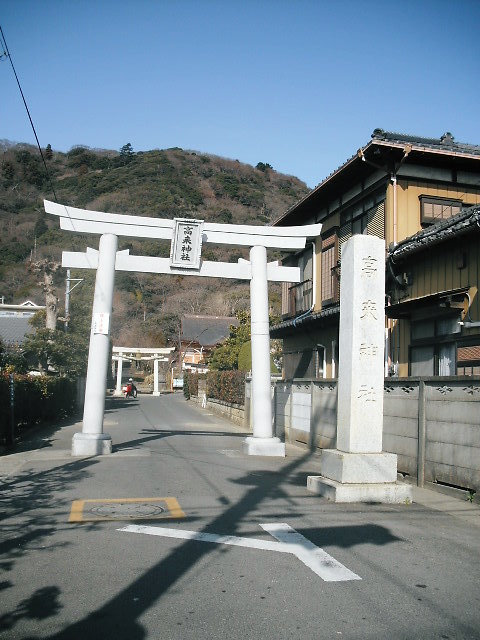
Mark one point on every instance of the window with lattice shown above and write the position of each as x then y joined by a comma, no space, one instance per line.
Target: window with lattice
435,209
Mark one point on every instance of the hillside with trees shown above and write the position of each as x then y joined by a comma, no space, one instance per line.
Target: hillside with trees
160,183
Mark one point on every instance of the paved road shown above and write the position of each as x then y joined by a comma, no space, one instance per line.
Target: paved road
87,579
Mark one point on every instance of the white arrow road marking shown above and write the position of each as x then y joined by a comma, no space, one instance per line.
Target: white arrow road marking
318,560
289,541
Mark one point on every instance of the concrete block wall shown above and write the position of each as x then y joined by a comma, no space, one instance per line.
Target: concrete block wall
431,424
305,413
400,423
282,409
452,415
300,412
324,415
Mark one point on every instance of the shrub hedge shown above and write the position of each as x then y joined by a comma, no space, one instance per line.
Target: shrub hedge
228,386
190,384
37,399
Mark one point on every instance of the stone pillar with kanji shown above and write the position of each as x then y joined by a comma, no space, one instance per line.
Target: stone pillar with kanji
358,470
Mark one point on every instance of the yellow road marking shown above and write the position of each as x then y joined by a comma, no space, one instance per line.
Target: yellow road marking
170,509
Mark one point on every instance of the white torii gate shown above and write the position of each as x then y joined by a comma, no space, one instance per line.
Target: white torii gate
186,238
119,354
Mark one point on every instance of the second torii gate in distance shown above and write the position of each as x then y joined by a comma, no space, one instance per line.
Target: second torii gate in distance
160,354
186,237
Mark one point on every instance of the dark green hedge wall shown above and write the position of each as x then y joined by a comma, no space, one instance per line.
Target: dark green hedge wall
38,399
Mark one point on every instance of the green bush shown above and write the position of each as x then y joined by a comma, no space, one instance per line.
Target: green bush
186,386
245,359
228,386
37,400
190,384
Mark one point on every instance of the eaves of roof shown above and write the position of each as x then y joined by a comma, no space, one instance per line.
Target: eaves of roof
433,301
464,222
323,317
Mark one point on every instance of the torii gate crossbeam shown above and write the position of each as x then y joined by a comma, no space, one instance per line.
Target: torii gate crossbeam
183,260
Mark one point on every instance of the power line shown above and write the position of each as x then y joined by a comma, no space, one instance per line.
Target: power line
6,53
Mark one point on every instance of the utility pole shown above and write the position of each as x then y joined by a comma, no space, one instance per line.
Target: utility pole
67,300
68,290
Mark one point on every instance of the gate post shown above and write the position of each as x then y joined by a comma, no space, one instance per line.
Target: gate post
92,441
156,392
262,443
118,387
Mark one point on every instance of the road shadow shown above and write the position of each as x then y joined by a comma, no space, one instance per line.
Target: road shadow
43,603
152,435
119,618
26,526
29,497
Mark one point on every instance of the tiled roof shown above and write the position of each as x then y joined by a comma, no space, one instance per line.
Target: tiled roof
13,330
207,330
465,221
445,145
445,142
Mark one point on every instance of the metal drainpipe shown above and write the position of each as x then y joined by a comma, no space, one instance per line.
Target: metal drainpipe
334,347
324,359
387,350
314,276
393,178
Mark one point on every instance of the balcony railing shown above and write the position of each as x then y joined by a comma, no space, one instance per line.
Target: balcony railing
299,298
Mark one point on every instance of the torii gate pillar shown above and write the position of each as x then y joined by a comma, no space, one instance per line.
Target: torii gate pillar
118,386
263,443
156,392
92,441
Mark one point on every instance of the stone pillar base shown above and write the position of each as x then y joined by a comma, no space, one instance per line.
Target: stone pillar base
156,393
361,468
383,492
264,447
91,444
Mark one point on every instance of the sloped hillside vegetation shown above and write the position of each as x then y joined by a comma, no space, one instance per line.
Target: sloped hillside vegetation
162,183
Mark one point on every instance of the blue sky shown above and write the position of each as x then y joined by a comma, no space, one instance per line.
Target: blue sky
298,84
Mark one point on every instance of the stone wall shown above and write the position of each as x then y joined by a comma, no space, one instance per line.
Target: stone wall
234,413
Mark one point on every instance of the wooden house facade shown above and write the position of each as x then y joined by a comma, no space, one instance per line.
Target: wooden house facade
421,196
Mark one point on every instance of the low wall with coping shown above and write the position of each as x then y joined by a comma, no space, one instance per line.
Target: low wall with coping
431,424
233,412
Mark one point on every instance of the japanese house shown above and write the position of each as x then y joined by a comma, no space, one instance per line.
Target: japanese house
15,321
199,336
421,196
